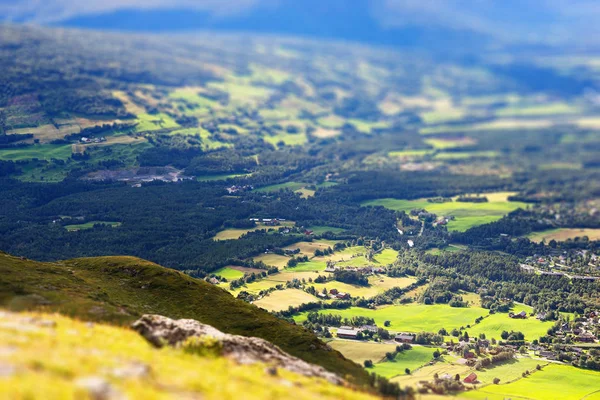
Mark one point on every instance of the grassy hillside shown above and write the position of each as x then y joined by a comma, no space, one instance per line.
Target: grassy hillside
56,357
120,289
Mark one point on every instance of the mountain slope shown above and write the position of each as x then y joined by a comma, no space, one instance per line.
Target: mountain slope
120,289
56,357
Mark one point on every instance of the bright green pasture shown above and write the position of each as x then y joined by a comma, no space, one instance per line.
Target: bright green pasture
387,256
319,230
90,225
229,273
414,317
553,382
494,324
39,151
466,215
507,371
310,266
411,359
360,351
152,122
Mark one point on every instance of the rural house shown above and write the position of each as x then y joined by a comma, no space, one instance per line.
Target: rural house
404,338
472,378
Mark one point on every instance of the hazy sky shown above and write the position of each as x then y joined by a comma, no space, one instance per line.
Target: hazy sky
513,19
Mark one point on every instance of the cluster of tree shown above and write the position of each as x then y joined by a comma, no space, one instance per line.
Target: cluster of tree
351,277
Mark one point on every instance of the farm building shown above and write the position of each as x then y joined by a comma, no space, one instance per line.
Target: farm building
521,315
342,296
345,333
472,378
369,328
404,338
586,337
333,291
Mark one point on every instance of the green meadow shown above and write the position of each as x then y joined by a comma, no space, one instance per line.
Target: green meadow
558,382
495,324
39,151
386,256
413,317
153,122
466,214
229,273
411,359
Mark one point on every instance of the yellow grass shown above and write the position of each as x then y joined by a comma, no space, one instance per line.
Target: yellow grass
130,106
272,260
361,351
308,248
281,299
563,234
47,356
236,233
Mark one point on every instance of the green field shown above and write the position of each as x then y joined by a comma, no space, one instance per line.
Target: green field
466,215
319,230
360,351
229,273
450,249
411,359
90,225
558,382
413,317
494,324
387,256
507,371
152,122
39,151
310,266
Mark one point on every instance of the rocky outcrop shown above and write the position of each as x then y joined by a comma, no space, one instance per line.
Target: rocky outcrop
161,331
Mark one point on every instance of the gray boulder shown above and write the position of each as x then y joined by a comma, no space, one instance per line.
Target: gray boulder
161,331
